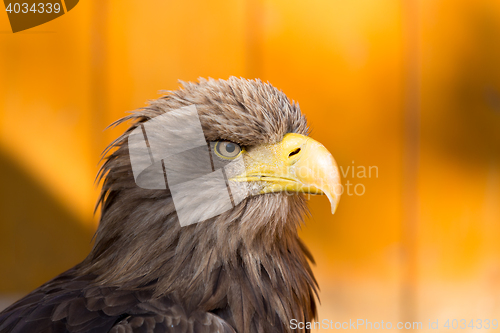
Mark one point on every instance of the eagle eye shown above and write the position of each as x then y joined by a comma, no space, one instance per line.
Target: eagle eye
227,150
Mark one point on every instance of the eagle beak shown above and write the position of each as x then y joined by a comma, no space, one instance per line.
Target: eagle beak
297,164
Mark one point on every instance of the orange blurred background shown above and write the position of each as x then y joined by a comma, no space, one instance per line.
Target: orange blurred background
410,88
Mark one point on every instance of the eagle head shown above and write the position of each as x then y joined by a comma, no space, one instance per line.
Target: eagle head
214,225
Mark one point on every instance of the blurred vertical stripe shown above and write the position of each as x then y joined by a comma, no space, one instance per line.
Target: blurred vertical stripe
411,159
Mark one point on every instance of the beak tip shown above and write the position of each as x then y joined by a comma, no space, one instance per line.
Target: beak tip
334,207
334,201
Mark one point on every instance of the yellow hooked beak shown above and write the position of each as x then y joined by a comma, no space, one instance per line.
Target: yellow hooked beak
297,164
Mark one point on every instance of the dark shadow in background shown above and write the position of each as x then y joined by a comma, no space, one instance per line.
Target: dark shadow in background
465,123
39,237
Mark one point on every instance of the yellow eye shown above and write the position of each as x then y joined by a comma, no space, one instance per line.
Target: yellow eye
227,150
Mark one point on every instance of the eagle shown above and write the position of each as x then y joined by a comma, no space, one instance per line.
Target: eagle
198,239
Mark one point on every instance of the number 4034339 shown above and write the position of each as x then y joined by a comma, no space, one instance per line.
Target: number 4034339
37,8
477,323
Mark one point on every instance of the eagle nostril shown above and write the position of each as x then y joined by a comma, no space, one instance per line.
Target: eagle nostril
295,152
